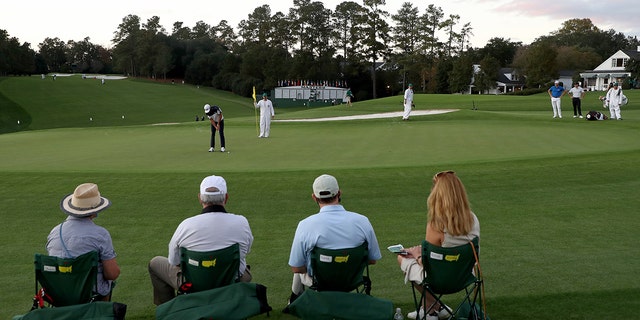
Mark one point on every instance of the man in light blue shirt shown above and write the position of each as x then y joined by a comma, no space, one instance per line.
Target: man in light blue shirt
79,234
331,228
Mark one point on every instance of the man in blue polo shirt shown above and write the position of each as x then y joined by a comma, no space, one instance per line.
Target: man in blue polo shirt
331,228
555,93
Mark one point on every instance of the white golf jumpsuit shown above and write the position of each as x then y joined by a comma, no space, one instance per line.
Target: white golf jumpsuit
614,98
266,113
408,100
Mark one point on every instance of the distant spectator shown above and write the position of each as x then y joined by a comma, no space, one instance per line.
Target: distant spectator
408,102
349,97
577,93
555,93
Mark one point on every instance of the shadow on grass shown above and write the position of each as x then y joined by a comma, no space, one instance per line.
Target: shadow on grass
608,304
12,117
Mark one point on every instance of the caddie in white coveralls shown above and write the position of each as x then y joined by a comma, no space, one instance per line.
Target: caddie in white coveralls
266,114
408,102
614,99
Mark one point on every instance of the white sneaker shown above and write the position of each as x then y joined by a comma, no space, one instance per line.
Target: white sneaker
222,149
444,312
575,116
414,315
580,117
211,149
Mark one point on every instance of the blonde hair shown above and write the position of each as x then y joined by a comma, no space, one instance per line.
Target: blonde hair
448,206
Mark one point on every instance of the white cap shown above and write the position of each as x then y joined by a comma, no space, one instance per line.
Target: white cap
207,107
556,81
325,186
213,185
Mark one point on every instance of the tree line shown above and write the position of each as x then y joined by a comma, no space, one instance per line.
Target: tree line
376,53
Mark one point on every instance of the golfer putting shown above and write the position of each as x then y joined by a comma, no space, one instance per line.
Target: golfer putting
217,124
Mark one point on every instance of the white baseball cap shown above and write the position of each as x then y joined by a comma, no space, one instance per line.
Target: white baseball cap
325,186
207,107
213,185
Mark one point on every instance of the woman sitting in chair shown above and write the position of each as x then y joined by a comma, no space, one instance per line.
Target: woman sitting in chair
450,223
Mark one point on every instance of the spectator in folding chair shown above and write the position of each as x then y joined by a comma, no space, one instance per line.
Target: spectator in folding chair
450,223
78,234
213,229
331,228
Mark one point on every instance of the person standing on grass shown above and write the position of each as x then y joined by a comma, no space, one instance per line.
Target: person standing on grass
217,123
614,101
450,223
266,114
408,102
331,228
555,93
577,93
349,97
213,229
78,234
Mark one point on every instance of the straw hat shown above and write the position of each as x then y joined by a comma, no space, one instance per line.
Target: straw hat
84,201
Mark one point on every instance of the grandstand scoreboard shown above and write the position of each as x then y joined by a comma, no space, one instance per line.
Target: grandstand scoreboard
308,95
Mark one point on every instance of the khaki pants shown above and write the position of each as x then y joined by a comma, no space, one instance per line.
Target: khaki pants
300,280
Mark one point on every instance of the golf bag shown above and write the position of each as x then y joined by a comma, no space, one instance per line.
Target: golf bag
595,115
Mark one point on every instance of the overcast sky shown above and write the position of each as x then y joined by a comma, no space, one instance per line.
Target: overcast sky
517,20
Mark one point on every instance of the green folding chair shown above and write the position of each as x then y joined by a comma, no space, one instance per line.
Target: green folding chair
448,271
208,270
343,270
65,281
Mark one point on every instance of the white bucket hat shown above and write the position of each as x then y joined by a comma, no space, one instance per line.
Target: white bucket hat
84,201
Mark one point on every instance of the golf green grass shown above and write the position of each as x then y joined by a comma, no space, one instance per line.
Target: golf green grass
557,199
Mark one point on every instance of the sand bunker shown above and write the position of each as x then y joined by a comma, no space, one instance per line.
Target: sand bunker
371,116
89,76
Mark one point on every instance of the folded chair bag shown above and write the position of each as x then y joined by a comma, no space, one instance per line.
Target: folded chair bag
236,301
320,305
98,310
